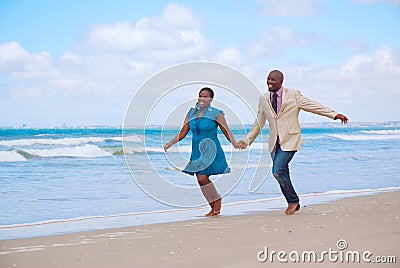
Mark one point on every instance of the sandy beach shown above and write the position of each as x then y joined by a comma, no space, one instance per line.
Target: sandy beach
354,231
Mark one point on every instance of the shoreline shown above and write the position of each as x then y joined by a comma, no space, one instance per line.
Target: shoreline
92,223
364,223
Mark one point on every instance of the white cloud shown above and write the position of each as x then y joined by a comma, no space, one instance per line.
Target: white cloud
175,34
366,86
356,63
230,55
382,62
102,72
369,71
290,8
177,16
15,59
12,52
110,58
272,42
391,2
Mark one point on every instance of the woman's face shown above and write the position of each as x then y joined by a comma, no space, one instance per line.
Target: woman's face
204,99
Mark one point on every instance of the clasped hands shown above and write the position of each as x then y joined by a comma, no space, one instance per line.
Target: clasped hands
240,145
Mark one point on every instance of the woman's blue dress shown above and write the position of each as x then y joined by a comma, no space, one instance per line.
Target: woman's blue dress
207,156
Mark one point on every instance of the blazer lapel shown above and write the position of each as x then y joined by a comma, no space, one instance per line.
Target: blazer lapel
285,96
268,99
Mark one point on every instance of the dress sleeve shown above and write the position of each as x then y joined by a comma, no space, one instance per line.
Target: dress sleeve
190,113
216,112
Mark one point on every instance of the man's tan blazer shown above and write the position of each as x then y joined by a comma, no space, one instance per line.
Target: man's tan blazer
285,124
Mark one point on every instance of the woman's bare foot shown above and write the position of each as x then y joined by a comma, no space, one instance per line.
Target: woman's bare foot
210,214
217,206
292,208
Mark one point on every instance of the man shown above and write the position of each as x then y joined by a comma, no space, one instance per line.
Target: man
281,107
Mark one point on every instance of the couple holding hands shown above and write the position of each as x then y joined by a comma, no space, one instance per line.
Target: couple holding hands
280,106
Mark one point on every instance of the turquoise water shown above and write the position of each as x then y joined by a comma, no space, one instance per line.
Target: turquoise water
65,174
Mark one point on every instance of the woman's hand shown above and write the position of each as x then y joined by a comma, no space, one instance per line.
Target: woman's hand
167,146
239,145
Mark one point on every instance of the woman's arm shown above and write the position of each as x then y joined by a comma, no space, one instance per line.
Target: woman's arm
223,125
184,131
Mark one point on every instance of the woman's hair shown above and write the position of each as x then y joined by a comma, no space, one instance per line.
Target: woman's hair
209,91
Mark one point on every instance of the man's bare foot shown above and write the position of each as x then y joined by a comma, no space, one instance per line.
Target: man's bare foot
292,208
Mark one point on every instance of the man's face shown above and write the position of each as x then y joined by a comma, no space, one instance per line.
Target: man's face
274,81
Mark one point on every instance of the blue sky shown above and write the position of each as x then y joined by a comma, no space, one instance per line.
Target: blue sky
81,62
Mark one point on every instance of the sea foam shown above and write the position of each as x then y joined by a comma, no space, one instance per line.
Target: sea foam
11,156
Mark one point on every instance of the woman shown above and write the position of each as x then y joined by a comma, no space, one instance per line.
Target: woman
207,156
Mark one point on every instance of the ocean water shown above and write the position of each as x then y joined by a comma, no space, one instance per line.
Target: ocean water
72,179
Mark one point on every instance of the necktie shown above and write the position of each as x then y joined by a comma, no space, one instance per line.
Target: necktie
275,102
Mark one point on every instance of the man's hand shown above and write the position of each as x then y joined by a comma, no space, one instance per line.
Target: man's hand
342,118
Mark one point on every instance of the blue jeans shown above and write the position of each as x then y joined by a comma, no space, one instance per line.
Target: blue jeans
280,170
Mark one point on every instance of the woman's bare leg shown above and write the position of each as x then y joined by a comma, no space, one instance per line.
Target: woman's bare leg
211,194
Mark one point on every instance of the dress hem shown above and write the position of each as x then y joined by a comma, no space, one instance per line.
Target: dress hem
208,174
